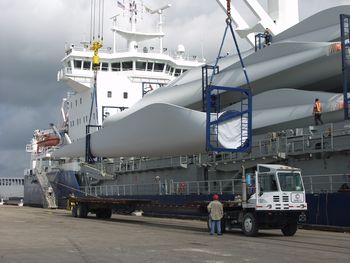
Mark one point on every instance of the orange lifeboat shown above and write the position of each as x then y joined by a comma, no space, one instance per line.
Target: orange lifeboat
48,140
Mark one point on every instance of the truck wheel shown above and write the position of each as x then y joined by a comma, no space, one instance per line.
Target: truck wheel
82,211
74,211
249,225
289,229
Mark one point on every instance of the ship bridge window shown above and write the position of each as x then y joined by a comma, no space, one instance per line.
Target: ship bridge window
140,65
115,66
87,65
177,72
149,66
171,71
77,64
159,67
167,69
127,65
104,66
183,71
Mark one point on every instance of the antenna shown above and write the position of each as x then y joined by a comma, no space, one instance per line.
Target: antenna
114,18
160,12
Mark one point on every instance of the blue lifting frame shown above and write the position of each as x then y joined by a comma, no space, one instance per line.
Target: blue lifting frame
215,118
345,47
212,103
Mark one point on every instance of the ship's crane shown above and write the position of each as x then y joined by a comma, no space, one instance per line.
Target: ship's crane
96,42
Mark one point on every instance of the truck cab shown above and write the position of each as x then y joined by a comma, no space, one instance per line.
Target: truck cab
274,198
279,187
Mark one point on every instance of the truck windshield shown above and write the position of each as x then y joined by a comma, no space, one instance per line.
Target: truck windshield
267,183
290,181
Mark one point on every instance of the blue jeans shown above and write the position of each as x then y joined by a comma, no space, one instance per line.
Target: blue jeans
215,224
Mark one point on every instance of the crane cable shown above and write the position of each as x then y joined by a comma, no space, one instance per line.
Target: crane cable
97,9
229,25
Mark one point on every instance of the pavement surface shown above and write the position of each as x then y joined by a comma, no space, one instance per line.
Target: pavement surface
41,235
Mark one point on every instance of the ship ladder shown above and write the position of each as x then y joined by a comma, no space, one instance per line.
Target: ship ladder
47,190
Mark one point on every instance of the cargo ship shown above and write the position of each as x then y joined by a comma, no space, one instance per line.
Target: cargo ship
135,125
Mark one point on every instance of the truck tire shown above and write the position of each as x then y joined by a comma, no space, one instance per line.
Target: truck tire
74,211
250,225
82,211
289,229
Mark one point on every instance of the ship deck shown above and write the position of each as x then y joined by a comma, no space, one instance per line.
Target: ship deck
40,235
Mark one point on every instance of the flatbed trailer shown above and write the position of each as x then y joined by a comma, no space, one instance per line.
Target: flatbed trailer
277,202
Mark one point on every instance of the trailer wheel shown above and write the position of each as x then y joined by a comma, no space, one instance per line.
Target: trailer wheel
223,225
104,213
249,225
108,213
289,229
208,223
74,211
82,211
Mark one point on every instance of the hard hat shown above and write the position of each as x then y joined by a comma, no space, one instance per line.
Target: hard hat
215,197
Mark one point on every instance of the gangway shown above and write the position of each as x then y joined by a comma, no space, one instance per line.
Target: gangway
216,118
345,44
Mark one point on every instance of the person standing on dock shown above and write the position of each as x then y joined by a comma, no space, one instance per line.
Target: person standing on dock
317,111
216,212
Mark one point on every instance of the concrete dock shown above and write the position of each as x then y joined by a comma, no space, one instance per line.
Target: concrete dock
41,235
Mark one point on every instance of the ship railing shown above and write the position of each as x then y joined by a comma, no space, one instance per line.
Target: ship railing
125,189
109,50
279,147
144,164
229,186
327,183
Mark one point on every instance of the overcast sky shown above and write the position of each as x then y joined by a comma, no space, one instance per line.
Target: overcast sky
33,36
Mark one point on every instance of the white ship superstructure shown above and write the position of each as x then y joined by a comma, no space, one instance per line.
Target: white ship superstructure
123,77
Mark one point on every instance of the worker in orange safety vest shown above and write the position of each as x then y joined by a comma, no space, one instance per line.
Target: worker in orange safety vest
317,111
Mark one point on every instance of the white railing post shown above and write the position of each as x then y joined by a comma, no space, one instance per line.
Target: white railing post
311,185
